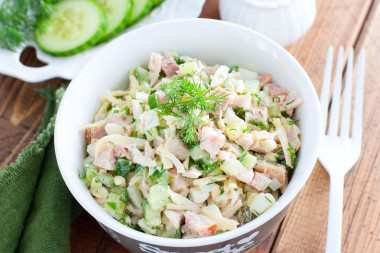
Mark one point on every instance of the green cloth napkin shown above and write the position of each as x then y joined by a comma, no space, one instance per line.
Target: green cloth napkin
35,204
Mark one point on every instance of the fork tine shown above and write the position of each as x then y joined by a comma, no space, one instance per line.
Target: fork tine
358,109
334,114
326,86
345,126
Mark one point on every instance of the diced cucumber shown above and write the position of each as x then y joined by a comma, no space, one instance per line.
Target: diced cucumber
188,68
160,176
117,15
142,224
90,174
232,167
140,171
134,194
151,133
196,153
105,179
235,128
249,161
122,192
136,128
134,191
252,86
115,206
152,101
158,196
173,233
142,74
250,199
139,10
274,110
72,27
95,183
246,74
144,87
152,217
261,203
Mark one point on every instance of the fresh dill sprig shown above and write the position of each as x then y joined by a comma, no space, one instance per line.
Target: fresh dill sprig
188,101
18,19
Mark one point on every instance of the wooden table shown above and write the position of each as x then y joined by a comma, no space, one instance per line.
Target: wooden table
350,23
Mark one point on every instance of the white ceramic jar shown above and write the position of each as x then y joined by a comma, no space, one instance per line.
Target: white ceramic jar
284,21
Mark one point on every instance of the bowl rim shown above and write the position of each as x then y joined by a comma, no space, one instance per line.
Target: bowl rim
115,225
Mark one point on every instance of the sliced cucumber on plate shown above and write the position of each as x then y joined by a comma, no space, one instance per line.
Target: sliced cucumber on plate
157,2
118,13
74,26
139,10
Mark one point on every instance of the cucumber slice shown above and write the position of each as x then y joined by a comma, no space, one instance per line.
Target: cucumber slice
142,74
152,217
249,161
117,14
139,10
173,233
196,153
157,2
74,26
115,206
158,196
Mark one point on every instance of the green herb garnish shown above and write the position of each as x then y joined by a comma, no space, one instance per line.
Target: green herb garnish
270,201
245,130
290,102
112,205
18,19
127,111
258,100
283,113
292,154
157,174
122,168
240,112
233,68
259,124
206,168
238,211
212,181
179,60
184,98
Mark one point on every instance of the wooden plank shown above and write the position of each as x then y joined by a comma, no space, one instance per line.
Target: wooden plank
361,222
304,228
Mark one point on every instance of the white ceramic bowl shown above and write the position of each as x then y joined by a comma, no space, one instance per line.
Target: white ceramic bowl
213,42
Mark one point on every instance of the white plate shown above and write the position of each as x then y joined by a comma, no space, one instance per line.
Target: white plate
68,67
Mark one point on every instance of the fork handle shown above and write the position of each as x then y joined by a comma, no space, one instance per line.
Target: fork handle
334,229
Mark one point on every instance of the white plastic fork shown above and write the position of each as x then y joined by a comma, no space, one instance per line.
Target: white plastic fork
339,153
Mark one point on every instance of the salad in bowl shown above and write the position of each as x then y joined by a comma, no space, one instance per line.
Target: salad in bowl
191,150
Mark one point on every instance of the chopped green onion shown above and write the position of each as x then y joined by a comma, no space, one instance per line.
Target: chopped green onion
290,102
152,101
246,130
122,168
259,124
233,68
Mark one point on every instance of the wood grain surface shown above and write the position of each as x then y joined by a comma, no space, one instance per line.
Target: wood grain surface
350,23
